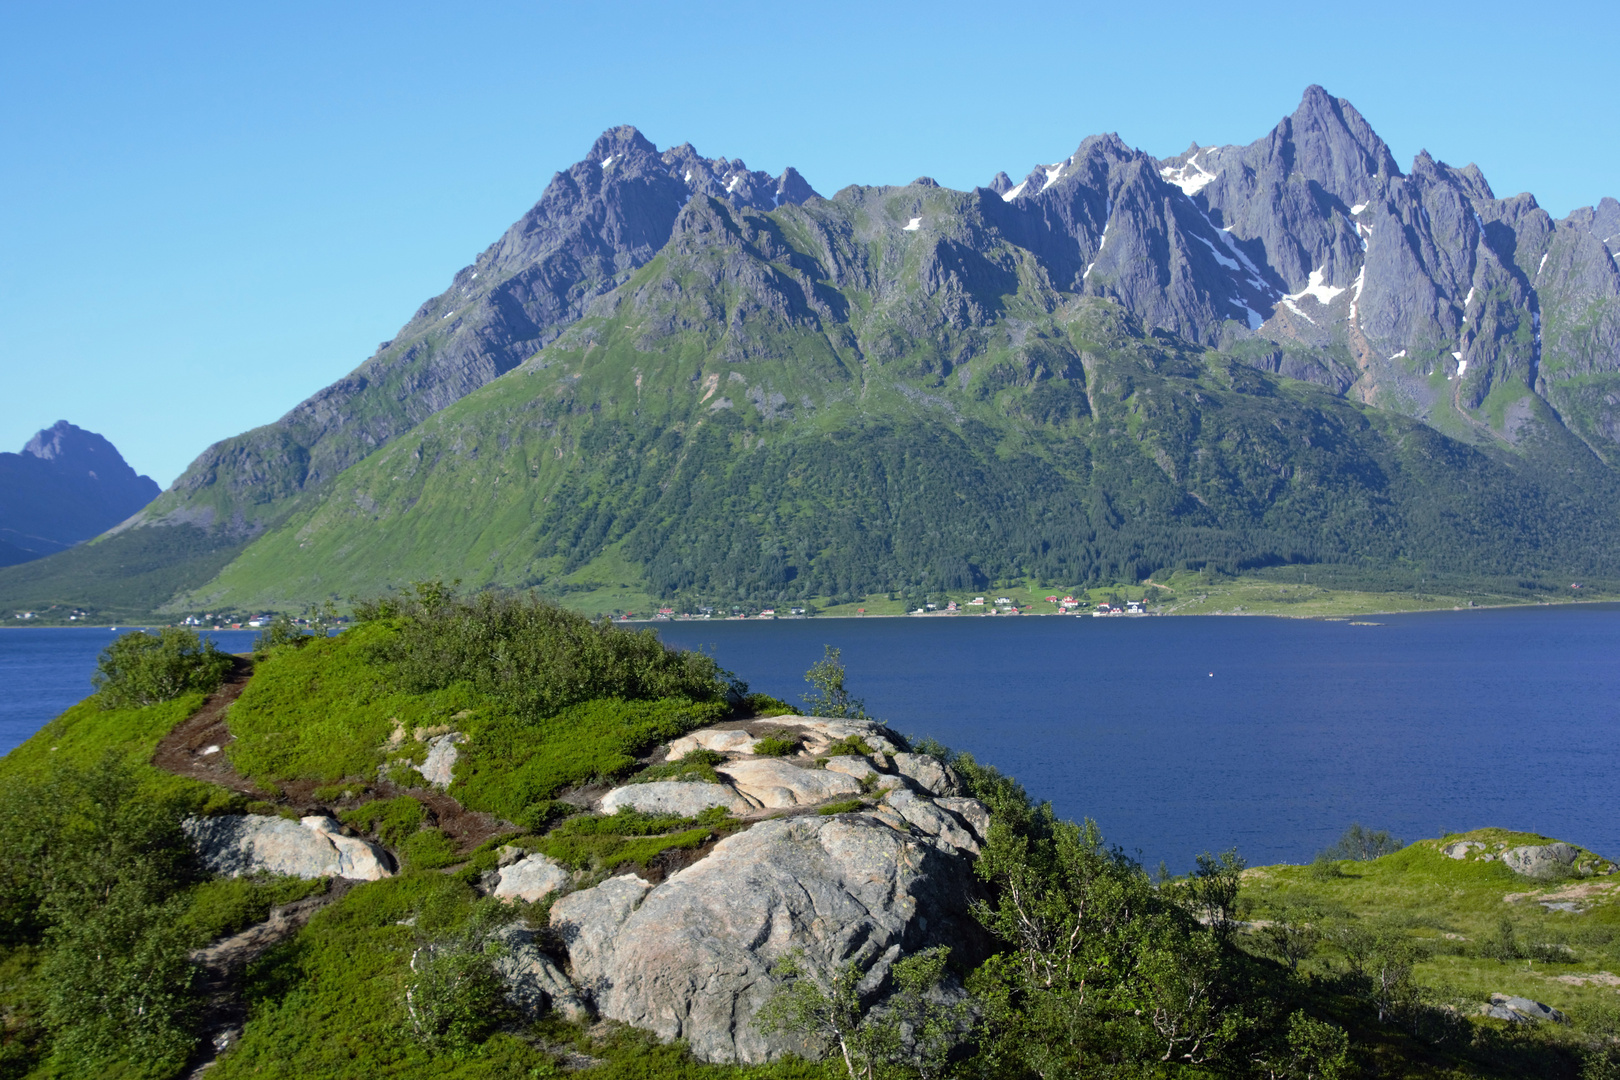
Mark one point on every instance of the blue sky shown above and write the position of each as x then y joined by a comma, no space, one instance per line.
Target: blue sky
208,212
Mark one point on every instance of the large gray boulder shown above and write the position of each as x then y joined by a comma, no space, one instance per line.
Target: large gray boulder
1540,860
778,784
534,983
235,844
675,797
926,816
1520,1010
927,772
691,958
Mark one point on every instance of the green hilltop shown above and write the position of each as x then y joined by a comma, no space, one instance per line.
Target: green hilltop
121,957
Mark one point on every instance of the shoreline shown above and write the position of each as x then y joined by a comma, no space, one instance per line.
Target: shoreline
1239,614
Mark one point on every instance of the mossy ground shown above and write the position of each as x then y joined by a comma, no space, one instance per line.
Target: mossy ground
1455,910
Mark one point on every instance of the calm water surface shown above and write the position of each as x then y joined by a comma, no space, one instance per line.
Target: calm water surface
1182,734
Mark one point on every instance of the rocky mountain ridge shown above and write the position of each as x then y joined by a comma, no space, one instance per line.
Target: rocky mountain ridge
650,288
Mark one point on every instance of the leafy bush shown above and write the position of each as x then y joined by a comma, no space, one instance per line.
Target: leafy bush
831,697
776,745
1361,844
695,765
844,807
281,631
94,867
142,669
535,657
393,821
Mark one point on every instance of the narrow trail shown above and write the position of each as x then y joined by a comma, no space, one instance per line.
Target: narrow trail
224,1012
197,749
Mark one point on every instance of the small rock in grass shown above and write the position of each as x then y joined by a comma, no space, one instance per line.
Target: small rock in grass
529,879
721,742
439,768
1522,1009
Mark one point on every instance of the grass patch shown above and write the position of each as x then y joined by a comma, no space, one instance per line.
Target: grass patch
693,766
844,807
605,843
324,712
428,849
226,906
847,746
1470,940
513,767
393,821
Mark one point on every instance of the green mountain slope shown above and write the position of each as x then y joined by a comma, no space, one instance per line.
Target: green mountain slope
819,402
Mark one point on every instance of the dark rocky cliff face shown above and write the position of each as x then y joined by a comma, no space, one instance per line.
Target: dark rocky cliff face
66,486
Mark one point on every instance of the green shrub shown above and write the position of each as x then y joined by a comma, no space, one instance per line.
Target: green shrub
393,821
776,745
1361,844
696,765
844,807
831,697
142,669
428,849
533,656
850,744
765,705
281,631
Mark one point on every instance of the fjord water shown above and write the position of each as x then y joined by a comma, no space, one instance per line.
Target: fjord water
1181,734
43,670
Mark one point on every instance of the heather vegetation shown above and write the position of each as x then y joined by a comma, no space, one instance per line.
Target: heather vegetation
1371,961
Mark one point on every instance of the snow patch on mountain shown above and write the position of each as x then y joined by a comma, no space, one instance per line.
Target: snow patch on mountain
1322,293
1191,178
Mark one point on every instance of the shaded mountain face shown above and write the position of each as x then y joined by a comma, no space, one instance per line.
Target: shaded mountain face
66,486
1083,375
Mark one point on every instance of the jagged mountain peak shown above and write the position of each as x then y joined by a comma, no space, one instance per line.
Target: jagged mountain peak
618,141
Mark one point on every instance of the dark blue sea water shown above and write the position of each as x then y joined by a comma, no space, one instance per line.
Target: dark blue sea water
43,670
1183,734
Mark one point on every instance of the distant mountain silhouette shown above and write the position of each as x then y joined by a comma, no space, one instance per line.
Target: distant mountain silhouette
66,486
